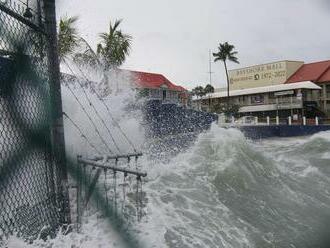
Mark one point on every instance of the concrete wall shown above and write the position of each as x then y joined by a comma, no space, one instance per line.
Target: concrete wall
292,67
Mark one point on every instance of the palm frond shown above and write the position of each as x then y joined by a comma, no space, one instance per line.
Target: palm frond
117,23
233,59
114,46
68,38
225,52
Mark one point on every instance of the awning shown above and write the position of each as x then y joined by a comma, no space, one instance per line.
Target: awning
264,89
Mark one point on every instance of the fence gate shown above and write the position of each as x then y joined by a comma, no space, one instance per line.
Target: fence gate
31,194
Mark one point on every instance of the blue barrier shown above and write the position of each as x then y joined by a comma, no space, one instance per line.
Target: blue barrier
260,132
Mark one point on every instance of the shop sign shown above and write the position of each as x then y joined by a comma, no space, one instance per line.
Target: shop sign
284,93
274,72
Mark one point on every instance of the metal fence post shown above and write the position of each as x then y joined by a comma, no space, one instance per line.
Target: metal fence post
79,193
57,131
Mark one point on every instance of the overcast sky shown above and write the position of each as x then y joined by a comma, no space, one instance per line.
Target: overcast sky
173,37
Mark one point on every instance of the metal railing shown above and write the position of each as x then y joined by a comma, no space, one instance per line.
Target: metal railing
270,121
90,179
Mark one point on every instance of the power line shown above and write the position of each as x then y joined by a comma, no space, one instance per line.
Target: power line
90,119
108,110
110,114
81,133
95,110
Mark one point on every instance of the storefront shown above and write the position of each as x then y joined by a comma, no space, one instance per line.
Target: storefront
283,100
284,88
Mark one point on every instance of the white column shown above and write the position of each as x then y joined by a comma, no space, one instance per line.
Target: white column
268,121
304,120
277,120
290,120
232,119
256,120
316,121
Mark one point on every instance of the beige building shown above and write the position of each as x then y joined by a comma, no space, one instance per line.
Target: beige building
263,75
283,88
283,100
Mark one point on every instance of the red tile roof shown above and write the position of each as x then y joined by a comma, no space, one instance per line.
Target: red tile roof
153,81
325,77
316,72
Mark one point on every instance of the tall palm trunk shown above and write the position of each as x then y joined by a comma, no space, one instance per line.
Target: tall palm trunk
227,107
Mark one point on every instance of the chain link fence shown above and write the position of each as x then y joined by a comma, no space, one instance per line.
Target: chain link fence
30,181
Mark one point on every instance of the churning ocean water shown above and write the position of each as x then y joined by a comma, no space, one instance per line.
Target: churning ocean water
227,191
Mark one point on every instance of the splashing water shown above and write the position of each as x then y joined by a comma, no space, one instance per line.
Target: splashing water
224,191
227,191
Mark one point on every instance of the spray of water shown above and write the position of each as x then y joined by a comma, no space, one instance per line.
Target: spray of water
224,191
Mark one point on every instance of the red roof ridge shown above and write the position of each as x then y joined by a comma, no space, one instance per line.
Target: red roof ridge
310,72
318,62
293,75
153,80
144,72
322,74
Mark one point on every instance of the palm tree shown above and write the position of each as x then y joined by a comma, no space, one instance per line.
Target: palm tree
207,90
198,91
111,52
226,52
68,38
114,46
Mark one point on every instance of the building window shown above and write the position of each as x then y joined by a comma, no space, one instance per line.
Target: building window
257,99
241,99
327,91
164,94
327,87
245,99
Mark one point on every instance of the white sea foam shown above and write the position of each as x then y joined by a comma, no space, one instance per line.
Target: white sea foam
224,191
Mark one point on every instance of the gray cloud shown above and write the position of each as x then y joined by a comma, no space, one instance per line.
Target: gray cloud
173,37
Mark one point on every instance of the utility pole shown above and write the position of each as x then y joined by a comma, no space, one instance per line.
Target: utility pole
210,67
57,130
